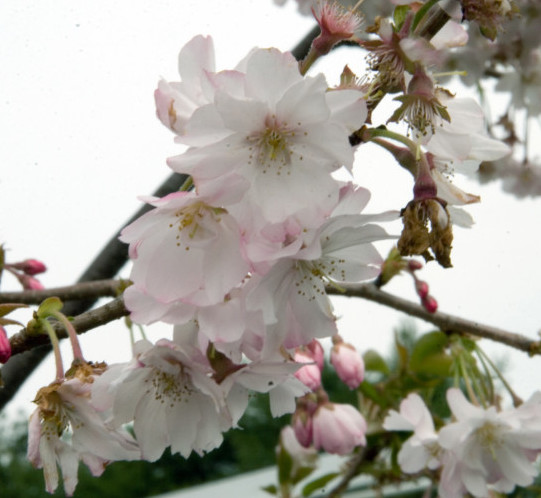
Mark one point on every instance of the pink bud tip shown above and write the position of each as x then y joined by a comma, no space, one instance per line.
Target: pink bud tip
31,266
422,289
30,283
414,265
430,304
5,346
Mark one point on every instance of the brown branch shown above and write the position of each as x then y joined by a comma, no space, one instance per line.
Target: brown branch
82,290
445,322
113,310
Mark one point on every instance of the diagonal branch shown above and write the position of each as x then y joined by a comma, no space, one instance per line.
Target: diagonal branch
447,323
76,292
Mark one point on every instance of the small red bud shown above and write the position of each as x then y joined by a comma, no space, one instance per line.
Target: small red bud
422,289
30,283
5,346
414,265
430,304
31,266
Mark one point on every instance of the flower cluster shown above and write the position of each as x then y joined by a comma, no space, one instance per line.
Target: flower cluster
240,263
482,449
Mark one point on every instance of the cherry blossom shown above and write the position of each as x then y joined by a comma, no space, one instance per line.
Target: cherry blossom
283,138
65,407
422,449
338,428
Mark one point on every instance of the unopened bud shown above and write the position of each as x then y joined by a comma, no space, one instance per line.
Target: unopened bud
421,288
414,265
30,266
30,283
316,350
348,364
430,304
310,374
5,346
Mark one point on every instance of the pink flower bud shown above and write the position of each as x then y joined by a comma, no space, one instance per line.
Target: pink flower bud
5,346
338,428
316,349
430,304
309,375
348,364
302,425
30,283
30,266
414,265
421,288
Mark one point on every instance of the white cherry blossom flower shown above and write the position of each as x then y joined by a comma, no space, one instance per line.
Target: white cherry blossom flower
422,449
170,397
283,137
490,449
66,429
185,251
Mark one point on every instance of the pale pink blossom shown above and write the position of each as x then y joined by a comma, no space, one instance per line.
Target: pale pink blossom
185,251
169,396
422,449
490,449
338,428
64,408
282,138
348,363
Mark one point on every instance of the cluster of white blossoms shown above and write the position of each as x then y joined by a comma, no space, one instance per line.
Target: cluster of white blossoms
239,264
481,450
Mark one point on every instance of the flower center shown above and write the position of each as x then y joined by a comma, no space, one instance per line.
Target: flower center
188,222
170,388
489,436
271,148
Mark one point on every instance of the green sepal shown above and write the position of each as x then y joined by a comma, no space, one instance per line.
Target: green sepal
319,483
50,306
399,15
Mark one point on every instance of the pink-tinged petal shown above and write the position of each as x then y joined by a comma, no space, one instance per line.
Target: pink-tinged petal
240,115
348,108
304,103
150,427
196,57
182,440
34,435
69,464
269,73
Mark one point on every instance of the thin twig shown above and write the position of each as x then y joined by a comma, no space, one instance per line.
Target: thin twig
113,310
81,290
447,323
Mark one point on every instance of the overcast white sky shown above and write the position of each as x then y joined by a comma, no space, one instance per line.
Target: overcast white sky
80,141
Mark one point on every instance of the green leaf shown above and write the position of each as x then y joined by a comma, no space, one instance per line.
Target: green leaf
9,307
369,391
49,306
285,466
374,362
319,483
429,355
399,15
271,489
301,473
